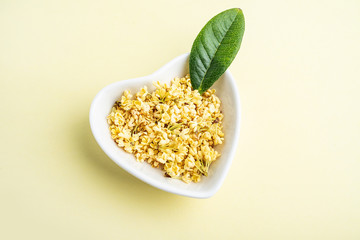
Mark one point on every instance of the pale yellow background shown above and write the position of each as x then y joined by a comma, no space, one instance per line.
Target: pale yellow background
296,174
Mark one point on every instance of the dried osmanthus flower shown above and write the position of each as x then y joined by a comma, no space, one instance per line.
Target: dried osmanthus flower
173,128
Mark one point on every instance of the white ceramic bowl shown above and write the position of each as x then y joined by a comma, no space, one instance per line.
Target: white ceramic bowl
178,67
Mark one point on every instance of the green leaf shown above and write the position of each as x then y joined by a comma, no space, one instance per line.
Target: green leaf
215,48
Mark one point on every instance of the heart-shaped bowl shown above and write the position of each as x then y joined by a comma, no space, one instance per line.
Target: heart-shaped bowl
230,105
